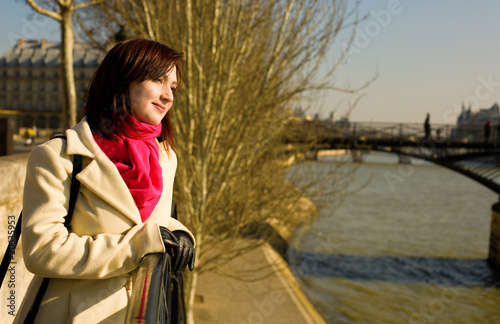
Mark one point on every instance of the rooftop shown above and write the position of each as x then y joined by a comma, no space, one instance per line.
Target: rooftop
43,53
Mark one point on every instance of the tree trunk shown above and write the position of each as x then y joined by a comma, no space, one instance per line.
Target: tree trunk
191,291
67,74
190,284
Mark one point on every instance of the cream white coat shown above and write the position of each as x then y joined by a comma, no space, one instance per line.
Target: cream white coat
90,266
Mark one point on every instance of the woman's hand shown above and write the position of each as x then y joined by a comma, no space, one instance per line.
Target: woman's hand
170,242
186,255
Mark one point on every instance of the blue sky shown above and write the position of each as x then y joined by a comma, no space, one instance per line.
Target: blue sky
431,56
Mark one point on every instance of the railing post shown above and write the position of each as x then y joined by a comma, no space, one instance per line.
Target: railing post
494,249
400,134
448,135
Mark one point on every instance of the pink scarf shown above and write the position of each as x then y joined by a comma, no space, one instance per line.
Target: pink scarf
136,156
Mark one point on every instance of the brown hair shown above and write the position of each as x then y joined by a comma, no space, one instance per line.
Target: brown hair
108,103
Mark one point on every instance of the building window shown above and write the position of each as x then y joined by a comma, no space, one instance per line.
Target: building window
3,85
15,86
42,86
28,85
41,122
79,105
2,102
27,103
54,122
55,104
15,103
55,86
27,121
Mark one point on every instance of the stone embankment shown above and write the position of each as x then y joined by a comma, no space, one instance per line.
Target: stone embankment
12,173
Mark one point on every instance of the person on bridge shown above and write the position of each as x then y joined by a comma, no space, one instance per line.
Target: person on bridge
487,132
498,132
427,127
123,207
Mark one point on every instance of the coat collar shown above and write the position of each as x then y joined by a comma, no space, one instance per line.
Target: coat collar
100,175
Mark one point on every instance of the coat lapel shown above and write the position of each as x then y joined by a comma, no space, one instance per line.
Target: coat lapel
100,175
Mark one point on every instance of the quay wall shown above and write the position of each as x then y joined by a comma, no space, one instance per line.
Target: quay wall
494,251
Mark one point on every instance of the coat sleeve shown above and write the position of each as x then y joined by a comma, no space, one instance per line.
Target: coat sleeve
175,225
49,250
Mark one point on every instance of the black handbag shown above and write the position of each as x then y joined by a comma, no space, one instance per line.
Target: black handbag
11,247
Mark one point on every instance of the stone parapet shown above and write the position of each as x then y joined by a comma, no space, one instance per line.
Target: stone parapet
12,175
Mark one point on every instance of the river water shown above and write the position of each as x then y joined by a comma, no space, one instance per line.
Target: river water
408,246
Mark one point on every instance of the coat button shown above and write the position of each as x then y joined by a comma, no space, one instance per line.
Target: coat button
128,285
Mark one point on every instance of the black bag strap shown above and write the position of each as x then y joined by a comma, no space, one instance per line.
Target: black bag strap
11,247
75,187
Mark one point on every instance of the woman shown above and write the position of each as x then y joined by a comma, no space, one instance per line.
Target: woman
123,207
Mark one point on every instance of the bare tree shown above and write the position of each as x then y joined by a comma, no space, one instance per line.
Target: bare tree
62,11
248,63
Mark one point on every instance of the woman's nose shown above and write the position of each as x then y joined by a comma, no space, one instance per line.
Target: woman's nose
167,94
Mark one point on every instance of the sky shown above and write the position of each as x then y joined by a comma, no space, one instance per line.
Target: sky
431,56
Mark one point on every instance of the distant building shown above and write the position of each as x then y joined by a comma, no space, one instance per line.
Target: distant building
30,82
470,124
468,117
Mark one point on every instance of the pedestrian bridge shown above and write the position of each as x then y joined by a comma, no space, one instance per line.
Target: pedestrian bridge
464,150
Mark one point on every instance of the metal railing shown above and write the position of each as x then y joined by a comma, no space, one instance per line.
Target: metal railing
465,133
157,295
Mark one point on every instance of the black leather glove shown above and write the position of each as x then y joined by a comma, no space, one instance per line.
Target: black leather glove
170,242
186,254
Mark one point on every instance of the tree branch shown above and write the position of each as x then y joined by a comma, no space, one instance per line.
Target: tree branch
43,11
87,4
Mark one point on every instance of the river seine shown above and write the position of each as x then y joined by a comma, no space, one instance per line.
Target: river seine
408,246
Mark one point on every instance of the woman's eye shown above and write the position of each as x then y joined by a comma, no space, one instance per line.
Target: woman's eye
173,89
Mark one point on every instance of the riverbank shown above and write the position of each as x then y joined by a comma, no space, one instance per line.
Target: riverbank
270,294
410,247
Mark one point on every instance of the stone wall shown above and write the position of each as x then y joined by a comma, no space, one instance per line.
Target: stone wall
12,174
494,252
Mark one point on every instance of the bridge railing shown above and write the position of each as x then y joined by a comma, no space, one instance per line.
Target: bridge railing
399,131
474,133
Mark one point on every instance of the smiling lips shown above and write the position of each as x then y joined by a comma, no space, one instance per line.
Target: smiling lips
160,107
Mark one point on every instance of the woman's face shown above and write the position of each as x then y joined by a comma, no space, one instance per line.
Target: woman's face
151,100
